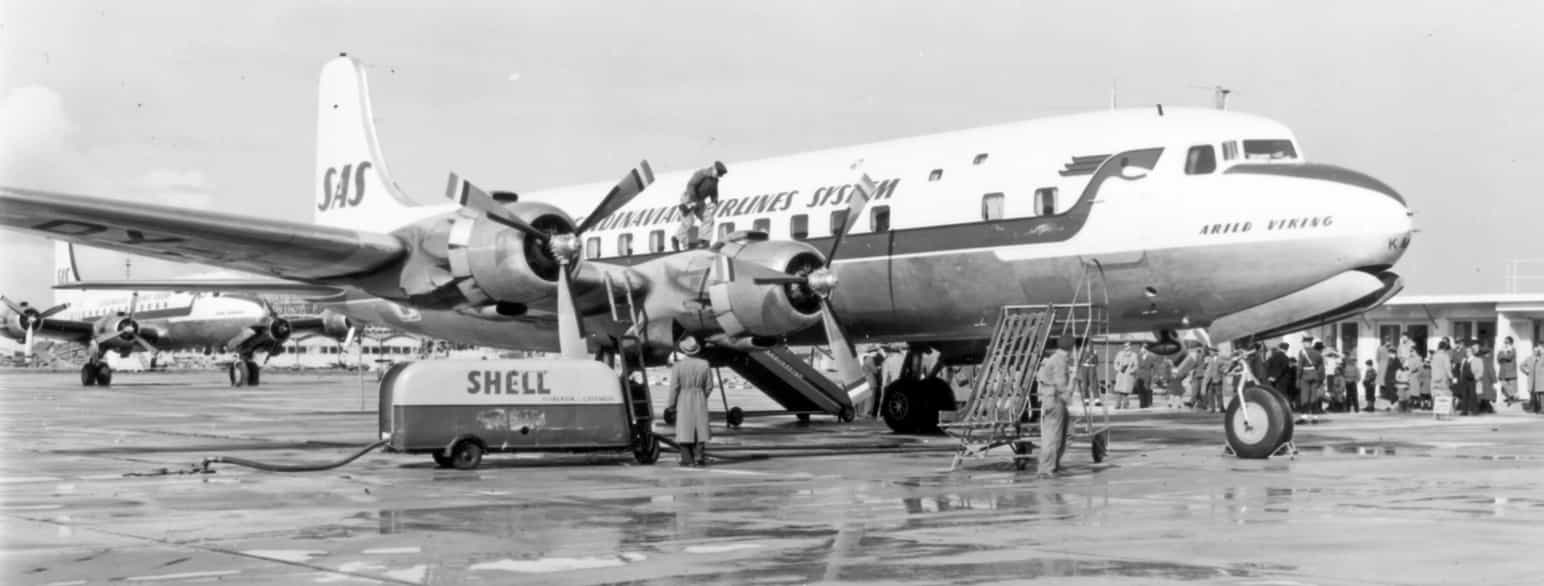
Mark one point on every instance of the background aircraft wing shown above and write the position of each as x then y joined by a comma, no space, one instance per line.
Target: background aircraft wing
260,286
290,250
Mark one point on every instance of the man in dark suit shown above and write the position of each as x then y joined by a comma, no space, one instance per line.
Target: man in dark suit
1276,370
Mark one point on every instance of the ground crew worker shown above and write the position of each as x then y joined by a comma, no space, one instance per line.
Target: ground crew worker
1533,368
690,388
1506,370
1125,374
700,189
1055,381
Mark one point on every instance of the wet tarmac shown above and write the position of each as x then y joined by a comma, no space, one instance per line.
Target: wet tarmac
1371,499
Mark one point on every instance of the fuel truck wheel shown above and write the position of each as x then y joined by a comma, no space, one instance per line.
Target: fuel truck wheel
88,373
735,417
104,375
253,371
646,448
847,415
466,455
440,459
238,374
1269,425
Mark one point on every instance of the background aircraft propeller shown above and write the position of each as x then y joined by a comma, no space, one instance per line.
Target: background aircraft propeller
564,247
31,319
127,328
823,281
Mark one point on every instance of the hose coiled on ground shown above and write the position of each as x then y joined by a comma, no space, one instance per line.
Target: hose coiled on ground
290,467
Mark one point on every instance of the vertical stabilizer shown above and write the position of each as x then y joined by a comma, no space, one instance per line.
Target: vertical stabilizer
353,188
66,271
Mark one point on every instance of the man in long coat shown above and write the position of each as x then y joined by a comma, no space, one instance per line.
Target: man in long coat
1506,370
1533,368
1126,364
1442,373
690,387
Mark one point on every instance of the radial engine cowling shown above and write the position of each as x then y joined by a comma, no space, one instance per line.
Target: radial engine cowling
498,263
744,308
335,325
124,326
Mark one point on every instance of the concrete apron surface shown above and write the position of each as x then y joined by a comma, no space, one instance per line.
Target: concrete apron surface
1371,499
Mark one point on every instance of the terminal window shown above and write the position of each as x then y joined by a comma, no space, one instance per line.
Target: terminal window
657,241
992,206
879,219
1045,201
1201,160
799,226
838,221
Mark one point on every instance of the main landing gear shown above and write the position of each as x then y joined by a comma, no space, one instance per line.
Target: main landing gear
96,373
244,371
1259,423
911,403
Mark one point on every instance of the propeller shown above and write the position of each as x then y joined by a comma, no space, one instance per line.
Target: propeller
31,320
127,328
348,338
564,247
823,281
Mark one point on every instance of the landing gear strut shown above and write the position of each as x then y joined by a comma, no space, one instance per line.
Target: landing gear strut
96,372
911,403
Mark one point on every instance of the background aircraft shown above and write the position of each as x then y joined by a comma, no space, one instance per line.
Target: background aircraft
158,321
1191,219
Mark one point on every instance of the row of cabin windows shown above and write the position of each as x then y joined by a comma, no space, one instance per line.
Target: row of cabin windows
799,224
125,309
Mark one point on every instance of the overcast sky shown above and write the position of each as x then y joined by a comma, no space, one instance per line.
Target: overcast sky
212,104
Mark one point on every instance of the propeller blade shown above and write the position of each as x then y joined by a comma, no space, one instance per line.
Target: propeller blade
12,305
636,180
348,338
105,337
143,343
473,198
570,330
52,311
27,347
780,280
862,191
133,304
846,359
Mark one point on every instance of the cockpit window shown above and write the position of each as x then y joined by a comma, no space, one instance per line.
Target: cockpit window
1269,150
1200,160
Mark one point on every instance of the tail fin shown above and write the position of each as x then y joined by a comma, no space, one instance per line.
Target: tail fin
66,271
353,188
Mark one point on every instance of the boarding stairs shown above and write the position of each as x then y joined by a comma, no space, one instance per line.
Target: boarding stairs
791,381
1002,407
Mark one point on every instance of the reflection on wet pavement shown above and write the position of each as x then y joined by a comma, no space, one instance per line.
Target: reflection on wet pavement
1166,507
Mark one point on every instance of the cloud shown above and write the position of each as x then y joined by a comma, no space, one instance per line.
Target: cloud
38,149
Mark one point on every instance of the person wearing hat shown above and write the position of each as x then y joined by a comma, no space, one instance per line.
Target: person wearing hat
1054,379
690,387
701,188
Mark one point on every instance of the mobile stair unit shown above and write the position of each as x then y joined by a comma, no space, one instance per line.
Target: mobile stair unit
999,412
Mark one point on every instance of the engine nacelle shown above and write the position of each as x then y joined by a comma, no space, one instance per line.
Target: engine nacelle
335,325
744,308
479,261
124,326
277,329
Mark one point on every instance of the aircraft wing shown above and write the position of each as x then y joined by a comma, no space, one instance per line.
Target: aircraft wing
289,250
272,287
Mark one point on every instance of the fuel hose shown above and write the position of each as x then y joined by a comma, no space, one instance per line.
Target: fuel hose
291,467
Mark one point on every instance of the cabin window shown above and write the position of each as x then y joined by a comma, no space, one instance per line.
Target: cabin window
1230,150
592,247
799,226
838,221
1045,201
724,230
935,175
657,241
624,245
762,225
992,206
879,219
1200,160
1269,150
981,158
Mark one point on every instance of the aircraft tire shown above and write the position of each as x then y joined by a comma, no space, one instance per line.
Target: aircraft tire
1270,423
847,414
253,372
734,417
88,374
911,406
104,375
466,455
238,374
646,447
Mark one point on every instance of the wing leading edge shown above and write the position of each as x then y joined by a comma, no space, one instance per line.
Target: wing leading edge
288,250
